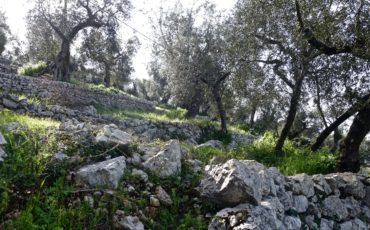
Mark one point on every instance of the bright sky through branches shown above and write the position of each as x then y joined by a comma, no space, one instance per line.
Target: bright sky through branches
16,10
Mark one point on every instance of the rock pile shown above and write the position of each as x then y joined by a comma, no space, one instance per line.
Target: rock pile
255,197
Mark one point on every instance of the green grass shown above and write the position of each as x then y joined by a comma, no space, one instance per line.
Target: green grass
182,214
30,197
7,116
293,159
174,115
31,69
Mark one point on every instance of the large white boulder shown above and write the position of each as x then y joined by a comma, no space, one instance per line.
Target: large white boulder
106,173
111,135
166,162
236,182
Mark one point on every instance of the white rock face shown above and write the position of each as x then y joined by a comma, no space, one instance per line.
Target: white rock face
247,216
111,135
253,197
166,162
105,173
235,182
2,140
2,152
128,223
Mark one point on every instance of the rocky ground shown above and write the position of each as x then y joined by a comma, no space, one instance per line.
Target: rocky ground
140,174
138,184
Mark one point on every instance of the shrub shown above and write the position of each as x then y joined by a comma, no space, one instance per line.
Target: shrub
177,113
31,69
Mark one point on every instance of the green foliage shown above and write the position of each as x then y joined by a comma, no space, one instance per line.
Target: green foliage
47,210
293,160
183,213
32,69
74,81
34,124
103,88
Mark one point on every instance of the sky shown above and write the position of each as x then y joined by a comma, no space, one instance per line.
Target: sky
16,10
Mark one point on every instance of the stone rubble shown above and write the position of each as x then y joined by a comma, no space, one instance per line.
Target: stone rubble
269,200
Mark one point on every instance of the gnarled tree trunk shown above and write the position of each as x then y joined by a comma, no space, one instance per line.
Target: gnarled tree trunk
294,102
221,110
193,107
107,77
350,148
61,68
328,130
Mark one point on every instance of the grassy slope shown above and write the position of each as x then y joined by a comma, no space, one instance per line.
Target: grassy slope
47,203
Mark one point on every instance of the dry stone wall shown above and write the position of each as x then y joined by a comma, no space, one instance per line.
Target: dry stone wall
64,93
146,129
252,196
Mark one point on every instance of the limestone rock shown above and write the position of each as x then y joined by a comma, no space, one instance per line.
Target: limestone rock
303,185
334,208
140,175
321,186
149,150
245,217
11,104
2,140
90,110
352,206
106,173
2,154
128,223
326,224
348,183
111,135
292,223
196,165
285,197
235,182
154,201
15,126
59,157
167,162
211,143
300,203
163,196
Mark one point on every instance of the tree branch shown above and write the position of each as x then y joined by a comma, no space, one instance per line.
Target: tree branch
282,76
55,28
326,49
274,42
90,22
